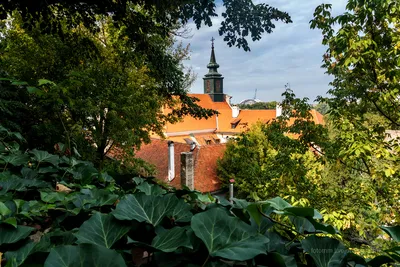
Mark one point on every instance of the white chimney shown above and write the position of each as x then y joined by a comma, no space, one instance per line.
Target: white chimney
278,110
235,111
171,161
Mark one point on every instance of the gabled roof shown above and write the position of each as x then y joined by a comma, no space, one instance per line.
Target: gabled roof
189,123
222,123
246,117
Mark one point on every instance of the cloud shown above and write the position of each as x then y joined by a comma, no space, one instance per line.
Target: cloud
291,54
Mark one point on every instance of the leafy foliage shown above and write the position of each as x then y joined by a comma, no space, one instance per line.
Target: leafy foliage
259,105
72,216
241,18
295,159
362,56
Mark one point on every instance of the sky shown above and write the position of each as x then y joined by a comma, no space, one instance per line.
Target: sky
292,55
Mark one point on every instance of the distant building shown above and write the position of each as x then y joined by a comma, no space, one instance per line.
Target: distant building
250,101
188,155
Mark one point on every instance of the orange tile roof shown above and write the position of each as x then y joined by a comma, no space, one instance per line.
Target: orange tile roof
189,123
247,118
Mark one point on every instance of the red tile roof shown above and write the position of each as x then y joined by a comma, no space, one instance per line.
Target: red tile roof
205,163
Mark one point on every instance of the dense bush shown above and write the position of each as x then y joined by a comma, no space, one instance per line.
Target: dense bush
60,211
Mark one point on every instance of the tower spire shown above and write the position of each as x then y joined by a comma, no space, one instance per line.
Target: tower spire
213,81
212,58
213,65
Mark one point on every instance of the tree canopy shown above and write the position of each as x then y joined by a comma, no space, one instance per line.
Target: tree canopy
242,18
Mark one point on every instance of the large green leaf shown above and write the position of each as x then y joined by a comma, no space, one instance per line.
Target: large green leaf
277,203
84,255
276,243
143,208
303,212
150,189
309,225
10,182
228,237
101,229
10,234
302,225
44,156
181,212
170,240
393,232
326,252
379,261
15,159
279,260
100,197
16,258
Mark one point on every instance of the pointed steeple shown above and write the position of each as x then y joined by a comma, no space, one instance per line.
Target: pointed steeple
213,65
213,81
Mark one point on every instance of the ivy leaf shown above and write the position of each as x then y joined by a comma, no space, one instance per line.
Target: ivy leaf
44,156
4,210
11,235
101,229
172,239
393,232
11,221
143,208
82,256
228,237
52,197
326,252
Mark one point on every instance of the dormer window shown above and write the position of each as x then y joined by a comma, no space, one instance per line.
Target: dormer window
235,123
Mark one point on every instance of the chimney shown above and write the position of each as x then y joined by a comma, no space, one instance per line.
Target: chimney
171,161
235,111
187,170
278,110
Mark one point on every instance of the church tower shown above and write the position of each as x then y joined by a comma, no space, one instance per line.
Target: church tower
213,81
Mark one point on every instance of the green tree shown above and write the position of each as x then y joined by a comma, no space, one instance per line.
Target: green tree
322,108
362,57
295,159
101,93
275,159
259,105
